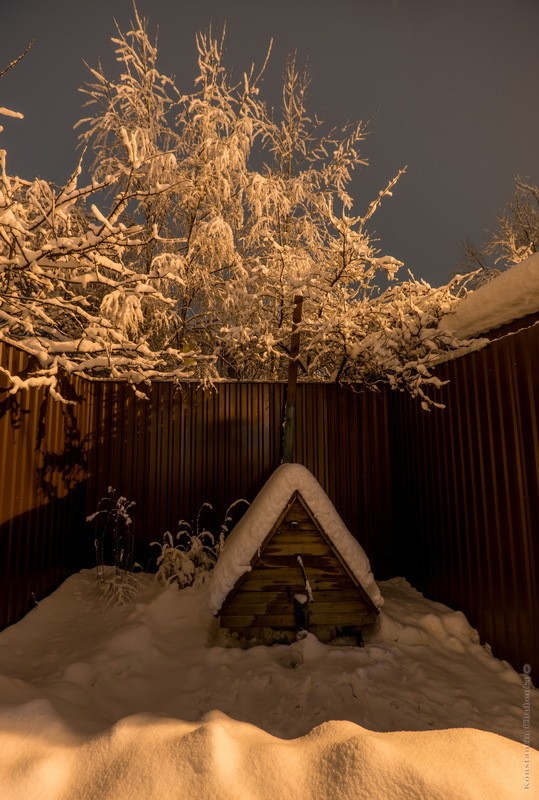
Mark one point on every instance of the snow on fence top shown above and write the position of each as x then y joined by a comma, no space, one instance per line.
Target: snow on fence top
510,296
251,531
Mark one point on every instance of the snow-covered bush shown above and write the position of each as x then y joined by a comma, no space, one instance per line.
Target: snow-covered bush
187,562
114,542
188,557
206,213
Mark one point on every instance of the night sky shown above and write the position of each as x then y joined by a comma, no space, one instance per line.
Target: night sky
448,88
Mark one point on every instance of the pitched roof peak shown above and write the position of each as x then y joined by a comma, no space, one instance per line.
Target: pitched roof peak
251,531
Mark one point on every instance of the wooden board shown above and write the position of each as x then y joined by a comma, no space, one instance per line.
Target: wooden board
282,621
294,548
287,621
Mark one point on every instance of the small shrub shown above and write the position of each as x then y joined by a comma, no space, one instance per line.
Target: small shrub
190,560
115,539
119,587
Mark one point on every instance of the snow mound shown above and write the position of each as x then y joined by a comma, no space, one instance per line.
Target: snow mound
412,619
422,667
141,702
510,296
250,532
147,757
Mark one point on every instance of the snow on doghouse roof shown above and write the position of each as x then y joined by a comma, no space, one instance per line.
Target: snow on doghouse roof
251,531
510,296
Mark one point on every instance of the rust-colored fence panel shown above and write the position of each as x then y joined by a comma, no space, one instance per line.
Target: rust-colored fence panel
343,437
466,482
43,454
185,447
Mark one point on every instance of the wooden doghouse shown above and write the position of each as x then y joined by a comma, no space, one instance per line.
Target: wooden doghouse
291,564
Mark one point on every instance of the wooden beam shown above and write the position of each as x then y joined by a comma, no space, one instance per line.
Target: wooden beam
290,409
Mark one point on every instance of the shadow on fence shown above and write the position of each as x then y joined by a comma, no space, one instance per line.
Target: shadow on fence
44,449
184,448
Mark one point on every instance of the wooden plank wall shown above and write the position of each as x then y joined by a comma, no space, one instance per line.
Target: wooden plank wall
466,493
43,453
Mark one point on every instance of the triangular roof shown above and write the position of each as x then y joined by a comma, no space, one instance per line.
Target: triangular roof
252,530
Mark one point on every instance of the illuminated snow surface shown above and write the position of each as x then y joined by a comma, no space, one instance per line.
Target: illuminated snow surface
143,702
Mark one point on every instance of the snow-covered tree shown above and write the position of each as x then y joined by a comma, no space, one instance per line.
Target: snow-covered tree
515,237
206,213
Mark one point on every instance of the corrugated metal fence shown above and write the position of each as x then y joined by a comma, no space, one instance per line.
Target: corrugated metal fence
43,473
188,447
448,498
466,483
182,448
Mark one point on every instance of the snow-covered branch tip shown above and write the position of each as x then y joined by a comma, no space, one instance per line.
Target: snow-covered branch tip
8,112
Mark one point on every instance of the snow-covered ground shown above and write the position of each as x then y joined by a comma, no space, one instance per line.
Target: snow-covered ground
144,701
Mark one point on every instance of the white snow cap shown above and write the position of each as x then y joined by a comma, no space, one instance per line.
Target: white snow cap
510,296
250,532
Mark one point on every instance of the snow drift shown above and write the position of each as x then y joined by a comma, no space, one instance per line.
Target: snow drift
144,701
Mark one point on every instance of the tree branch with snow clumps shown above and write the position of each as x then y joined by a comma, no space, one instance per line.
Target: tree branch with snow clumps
71,290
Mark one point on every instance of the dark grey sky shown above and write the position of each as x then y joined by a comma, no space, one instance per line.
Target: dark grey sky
449,88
